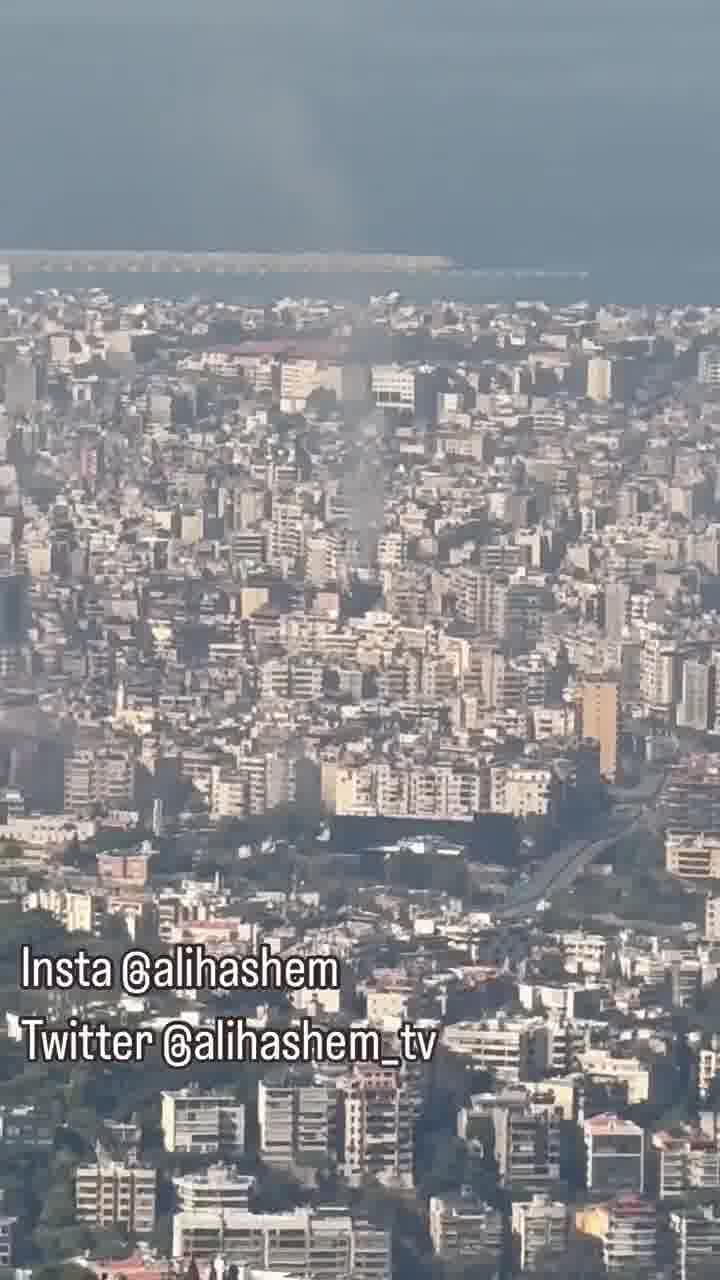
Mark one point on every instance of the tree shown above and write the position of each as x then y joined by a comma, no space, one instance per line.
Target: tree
63,1271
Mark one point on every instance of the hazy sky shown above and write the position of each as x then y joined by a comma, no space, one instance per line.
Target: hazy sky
496,131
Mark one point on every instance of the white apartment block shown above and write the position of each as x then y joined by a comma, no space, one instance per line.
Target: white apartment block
300,377
708,1065
219,1188
296,1119
540,1226
444,791
202,1123
333,1246
586,952
393,386
511,1048
522,790
712,919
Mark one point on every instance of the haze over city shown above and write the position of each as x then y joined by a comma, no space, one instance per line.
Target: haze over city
359,640
515,135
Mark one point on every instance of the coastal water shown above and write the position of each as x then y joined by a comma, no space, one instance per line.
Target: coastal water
500,133
630,286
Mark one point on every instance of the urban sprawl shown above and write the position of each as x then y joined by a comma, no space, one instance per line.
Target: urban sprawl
384,634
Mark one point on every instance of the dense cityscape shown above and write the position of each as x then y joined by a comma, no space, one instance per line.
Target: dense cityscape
383,638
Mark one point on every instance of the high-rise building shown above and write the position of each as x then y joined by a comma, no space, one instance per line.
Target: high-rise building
14,609
378,1136
617,605
659,671
615,1155
691,797
296,1119
21,387
697,706
708,1065
109,1194
98,777
527,1145
712,919
601,721
599,379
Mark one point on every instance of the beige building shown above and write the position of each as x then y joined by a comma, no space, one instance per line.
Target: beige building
696,857
599,379
220,1187
601,721
540,1226
300,1243
108,1195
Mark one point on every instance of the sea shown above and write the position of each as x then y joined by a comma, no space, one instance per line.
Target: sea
523,137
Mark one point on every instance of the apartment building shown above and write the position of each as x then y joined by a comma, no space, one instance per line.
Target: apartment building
540,1227
219,1187
297,1119
527,1145
615,1151
692,856
524,790
511,1048
628,1230
708,1065
330,1245
26,1126
99,777
109,1194
685,1161
712,919
600,706
449,792
378,1126
463,1229
8,1232
585,952
202,1123
695,1242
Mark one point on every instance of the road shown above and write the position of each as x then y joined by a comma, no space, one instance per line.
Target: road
571,859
